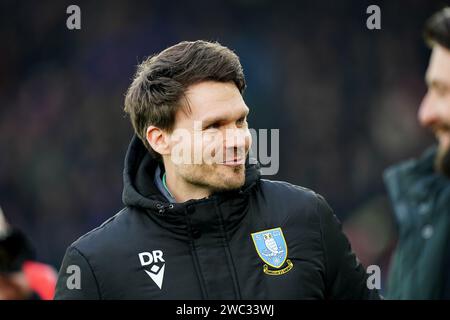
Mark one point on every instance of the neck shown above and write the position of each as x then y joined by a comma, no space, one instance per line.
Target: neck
181,190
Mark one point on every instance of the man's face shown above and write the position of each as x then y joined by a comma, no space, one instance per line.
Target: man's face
434,112
214,136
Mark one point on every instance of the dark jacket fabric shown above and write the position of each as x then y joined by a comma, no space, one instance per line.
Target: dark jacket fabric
203,249
421,202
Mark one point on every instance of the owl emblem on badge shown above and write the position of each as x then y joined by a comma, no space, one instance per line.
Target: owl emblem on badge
270,243
272,249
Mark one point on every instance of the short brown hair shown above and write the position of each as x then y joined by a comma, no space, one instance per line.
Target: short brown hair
161,80
437,29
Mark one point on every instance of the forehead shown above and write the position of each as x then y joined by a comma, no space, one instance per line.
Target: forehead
213,99
439,67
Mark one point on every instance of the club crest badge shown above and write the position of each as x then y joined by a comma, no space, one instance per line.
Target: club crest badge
272,249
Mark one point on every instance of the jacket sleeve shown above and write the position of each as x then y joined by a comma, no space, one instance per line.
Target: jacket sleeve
76,279
345,277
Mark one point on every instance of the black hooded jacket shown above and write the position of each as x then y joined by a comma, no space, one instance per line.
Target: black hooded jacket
204,249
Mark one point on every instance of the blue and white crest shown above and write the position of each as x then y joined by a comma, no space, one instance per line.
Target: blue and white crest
271,246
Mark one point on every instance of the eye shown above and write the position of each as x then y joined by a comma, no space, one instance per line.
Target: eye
241,121
214,125
439,89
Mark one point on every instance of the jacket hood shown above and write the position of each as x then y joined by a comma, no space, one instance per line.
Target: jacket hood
138,175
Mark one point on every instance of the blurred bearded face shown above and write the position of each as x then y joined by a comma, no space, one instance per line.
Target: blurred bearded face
211,140
434,112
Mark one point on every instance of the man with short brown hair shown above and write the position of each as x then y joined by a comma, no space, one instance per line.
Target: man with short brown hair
199,222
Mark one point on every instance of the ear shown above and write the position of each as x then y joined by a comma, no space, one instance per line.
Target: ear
158,140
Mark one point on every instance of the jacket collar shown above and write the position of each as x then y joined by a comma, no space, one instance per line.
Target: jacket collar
413,181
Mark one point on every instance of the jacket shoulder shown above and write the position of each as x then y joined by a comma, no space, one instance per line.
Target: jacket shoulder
282,191
104,236
292,202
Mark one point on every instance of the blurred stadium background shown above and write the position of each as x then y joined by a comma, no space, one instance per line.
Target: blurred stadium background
344,97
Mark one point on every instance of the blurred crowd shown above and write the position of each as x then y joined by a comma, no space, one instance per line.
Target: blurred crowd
344,97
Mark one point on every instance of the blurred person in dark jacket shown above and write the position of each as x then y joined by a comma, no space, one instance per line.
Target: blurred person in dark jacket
21,277
420,189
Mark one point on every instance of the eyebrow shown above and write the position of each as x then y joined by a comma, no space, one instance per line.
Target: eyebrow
213,119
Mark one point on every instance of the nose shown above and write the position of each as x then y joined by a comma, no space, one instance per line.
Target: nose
238,138
428,114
